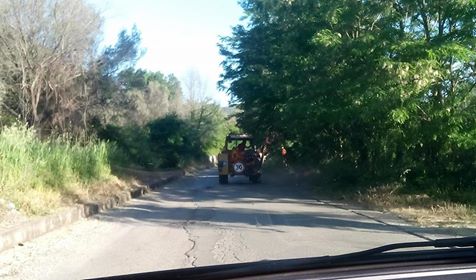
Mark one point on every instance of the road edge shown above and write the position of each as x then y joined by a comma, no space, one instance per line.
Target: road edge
42,225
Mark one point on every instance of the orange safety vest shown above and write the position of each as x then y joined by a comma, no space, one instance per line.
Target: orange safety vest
283,152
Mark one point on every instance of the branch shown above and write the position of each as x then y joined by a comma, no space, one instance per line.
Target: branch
10,110
426,117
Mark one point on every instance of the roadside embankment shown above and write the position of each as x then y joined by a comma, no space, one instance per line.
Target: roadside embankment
104,197
417,207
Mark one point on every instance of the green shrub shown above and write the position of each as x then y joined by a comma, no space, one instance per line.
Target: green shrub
166,142
174,140
130,145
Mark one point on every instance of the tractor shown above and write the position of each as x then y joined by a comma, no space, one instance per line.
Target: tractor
239,157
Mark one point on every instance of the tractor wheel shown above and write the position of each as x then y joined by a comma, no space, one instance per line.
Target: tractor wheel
255,178
223,179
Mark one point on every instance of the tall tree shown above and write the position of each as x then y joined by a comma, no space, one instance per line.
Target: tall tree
384,87
112,74
44,47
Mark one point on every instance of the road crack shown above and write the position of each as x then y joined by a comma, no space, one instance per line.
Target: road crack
188,254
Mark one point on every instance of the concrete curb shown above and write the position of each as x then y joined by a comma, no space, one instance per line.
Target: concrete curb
37,227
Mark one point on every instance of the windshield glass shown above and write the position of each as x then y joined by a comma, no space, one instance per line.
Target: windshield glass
120,148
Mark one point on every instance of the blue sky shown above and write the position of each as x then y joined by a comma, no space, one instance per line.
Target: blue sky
178,35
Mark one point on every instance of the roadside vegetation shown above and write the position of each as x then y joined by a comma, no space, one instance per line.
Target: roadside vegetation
369,93
35,173
419,207
71,110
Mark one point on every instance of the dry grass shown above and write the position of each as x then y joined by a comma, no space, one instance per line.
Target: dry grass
43,201
37,202
98,191
419,208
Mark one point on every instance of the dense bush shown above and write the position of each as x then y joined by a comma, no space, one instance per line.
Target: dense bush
174,140
130,145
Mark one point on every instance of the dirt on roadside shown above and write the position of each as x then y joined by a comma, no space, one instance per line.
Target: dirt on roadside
146,177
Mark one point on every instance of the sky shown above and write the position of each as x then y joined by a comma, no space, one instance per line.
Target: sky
178,35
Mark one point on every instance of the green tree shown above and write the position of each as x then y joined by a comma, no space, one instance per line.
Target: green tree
210,125
382,89
113,74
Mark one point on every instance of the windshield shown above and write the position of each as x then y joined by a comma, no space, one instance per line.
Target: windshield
234,144
120,148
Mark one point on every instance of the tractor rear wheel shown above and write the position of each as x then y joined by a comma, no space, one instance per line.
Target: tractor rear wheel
255,178
223,179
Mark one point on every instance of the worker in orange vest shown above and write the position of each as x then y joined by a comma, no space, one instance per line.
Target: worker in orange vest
283,154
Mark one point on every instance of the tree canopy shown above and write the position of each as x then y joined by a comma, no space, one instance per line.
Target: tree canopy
381,89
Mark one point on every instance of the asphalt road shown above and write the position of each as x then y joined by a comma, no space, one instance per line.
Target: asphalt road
194,222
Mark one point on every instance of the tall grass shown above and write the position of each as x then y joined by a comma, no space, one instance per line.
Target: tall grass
34,173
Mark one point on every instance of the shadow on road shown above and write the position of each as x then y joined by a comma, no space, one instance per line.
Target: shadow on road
241,204
170,215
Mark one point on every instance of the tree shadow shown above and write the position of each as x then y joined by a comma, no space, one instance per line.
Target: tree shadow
241,207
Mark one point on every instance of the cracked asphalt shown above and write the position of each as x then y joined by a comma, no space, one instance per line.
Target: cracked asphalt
195,221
